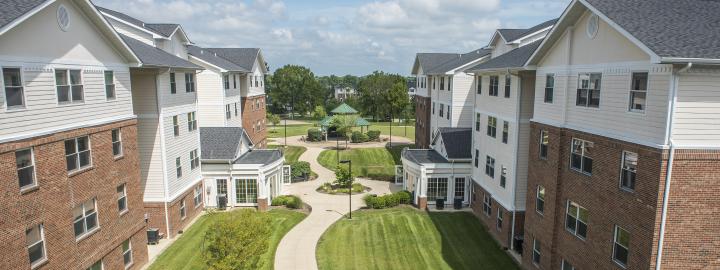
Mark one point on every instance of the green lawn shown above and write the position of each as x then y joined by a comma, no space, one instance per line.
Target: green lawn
376,163
186,254
292,130
292,153
384,128
407,238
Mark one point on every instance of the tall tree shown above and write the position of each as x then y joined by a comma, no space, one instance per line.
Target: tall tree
295,86
373,90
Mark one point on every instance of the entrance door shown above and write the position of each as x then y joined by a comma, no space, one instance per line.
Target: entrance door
286,174
460,187
221,190
399,175
437,188
245,191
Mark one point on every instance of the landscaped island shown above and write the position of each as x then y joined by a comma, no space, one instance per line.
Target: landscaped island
406,238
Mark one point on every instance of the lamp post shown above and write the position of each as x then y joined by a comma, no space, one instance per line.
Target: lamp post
349,162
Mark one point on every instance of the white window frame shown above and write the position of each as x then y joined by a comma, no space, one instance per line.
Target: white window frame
30,166
86,231
631,96
478,87
127,252
236,109
77,155
490,166
119,142
122,198
70,86
568,214
544,143
494,86
197,196
109,86
549,88
503,176
228,113
508,85
178,168
584,145
492,126
487,204
588,89
226,82
615,244
499,220
626,169
176,126
44,258
22,88
506,132
536,251
173,83
194,159
539,198
478,122
192,121
189,82
183,210
98,263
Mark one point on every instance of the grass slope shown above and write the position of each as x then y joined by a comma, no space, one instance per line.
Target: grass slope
366,162
384,128
186,253
292,153
292,130
406,238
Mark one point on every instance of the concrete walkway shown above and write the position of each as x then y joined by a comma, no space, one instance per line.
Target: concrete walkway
297,249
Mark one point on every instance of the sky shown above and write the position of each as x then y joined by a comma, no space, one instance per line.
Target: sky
343,37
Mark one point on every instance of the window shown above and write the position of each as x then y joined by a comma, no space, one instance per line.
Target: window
536,252
257,84
127,253
228,114
116,142
25,162
477,122
85,218
68,90
246,190
189,82
540,200
588,92
433,108
576,219
448,112
236,110
14,93
638,91
183,214
494,81
450,80
122,198
629,169
490,167
234,81
441,110
178,168
544,141
460,188
580,160
487,205
176,126
506,127
173,86
194,159
35,241
192,122
437,189
566,265
96,266
503,176
197,198
109,85
77,153
621,246
442,83
479,85
477,157
499,222
549,88
492,127
226,82
508,79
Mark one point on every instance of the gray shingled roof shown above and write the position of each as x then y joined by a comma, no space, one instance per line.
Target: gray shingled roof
457,142
512,59
457,61
165,29
424,156
260,156
513,34
11,10
243,57
212,58
429,61
677,28
220,142
155,57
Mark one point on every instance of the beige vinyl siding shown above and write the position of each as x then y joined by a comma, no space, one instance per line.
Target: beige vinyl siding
500,48
180,146
211,110
175,46
697,113
521,174
181,97
132,32
151,166
462,100
498,104
235,121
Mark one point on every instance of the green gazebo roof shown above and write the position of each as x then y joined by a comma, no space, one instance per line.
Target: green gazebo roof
344,109
327,121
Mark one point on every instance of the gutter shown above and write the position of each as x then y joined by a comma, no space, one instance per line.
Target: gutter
668,174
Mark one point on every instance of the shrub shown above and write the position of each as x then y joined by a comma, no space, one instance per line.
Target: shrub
237,241
279,200
373,135
358,137
291,201
343,176
300,168
314,135
404,197
357,188
388,200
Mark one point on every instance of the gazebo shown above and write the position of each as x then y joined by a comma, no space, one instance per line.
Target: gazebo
343,109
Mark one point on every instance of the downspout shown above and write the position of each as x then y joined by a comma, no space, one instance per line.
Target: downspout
668,174
515,147
162,141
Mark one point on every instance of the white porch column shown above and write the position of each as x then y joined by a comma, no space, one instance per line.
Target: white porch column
263,191
422,189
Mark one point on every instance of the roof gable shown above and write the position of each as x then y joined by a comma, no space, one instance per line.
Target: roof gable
221,143
11,10
211,59
456,142
155,57
243,57
515,58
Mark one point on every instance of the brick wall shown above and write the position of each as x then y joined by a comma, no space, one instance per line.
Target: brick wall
156,212
51,203
502,235
422,122
251,114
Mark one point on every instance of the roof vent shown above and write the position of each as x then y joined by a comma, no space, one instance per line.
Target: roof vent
593,24
63,18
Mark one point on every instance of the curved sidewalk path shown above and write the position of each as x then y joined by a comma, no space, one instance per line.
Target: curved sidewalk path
297,249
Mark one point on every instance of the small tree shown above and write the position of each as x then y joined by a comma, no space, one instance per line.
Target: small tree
273,118
319,112
343,176
237,240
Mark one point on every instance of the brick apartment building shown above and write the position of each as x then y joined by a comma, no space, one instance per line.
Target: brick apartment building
624,147
71,189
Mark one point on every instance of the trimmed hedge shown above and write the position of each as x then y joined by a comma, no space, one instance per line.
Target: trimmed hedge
290,201
389,200
314,135
358,137
300,168
373,135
